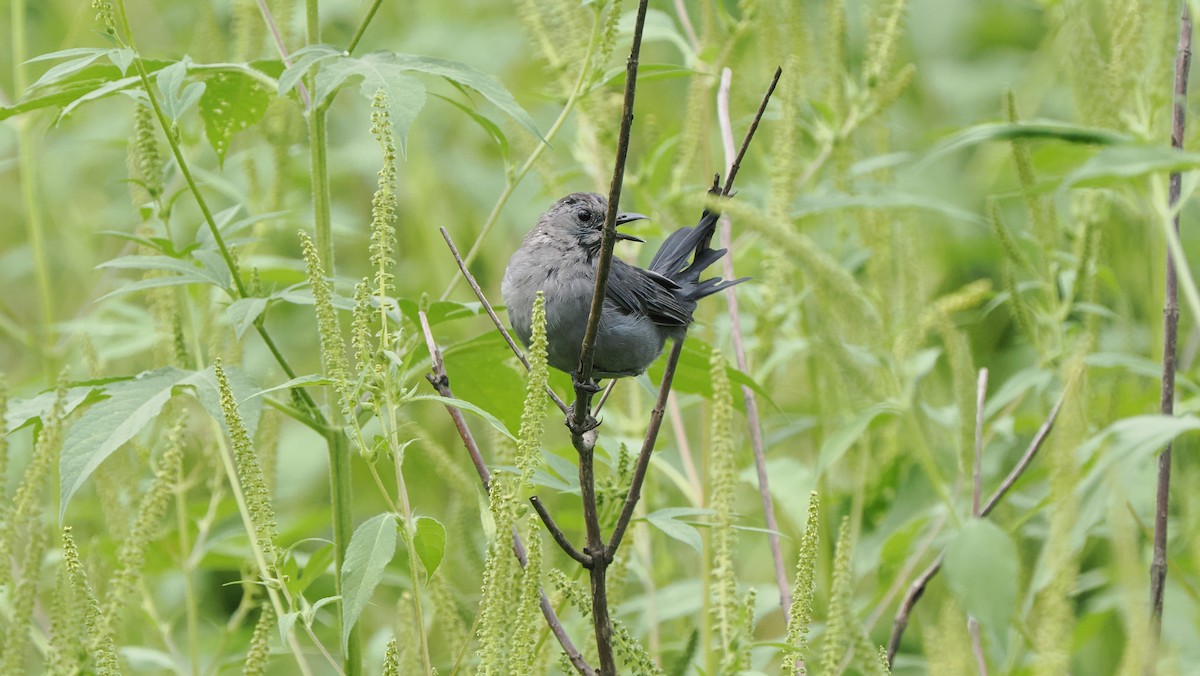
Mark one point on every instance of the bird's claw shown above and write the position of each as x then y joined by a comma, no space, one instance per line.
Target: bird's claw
589,423
591,386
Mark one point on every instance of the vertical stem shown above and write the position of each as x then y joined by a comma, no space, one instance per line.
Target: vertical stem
35,224
340,478
739,352
1158,564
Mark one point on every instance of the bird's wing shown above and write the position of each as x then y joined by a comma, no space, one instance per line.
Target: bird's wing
643,292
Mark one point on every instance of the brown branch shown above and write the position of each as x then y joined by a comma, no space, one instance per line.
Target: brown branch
762,108
558,535
977,646
739,345
441,382
608,240
917,588
512,344
643,461
1158,563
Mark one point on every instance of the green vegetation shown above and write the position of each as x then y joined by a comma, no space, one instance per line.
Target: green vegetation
224,287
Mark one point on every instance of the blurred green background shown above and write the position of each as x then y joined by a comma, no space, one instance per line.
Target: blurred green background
866,211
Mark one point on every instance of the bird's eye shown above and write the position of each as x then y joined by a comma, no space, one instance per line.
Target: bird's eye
584,216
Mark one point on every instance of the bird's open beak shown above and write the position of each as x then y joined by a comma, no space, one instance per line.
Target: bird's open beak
622,219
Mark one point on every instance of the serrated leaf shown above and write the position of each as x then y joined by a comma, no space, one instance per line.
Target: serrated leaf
982,571
370,550
406,95
305,59
429,539
21,412
105,427
465,75
231,102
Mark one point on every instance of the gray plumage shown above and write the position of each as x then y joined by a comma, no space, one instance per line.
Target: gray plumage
642,307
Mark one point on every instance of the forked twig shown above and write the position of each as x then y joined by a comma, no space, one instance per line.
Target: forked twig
917,589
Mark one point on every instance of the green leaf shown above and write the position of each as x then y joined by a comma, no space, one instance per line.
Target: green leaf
84,57
470,408
1043,130
314,380
21,412
1129,161
305,59
243,312
176,98
406,95
465,75
430,542
839,442
668,521
982,571
809,205
487,125
693,375
105,427
370,550
231,102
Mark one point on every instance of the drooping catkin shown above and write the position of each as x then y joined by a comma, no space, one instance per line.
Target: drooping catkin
333,349
101,645
150,510
250,475
259,653
529,440
723,480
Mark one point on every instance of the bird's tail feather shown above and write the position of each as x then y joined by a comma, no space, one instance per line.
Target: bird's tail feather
693,242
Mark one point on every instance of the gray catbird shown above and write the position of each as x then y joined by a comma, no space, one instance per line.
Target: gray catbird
642,308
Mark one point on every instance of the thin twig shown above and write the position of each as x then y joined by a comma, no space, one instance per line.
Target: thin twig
739,353
762,108
1158,563
437,377
280,47
362,27
643,461
512,344
977,466
558,535
917,588
977,645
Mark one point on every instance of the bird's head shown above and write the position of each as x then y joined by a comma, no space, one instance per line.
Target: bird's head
580,216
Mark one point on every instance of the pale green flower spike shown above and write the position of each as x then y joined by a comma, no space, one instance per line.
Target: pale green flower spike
125,583
101,646
391,659
333,349
803,589
839,631
528,624
726,608
383,204
529,439
258,498
260,643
